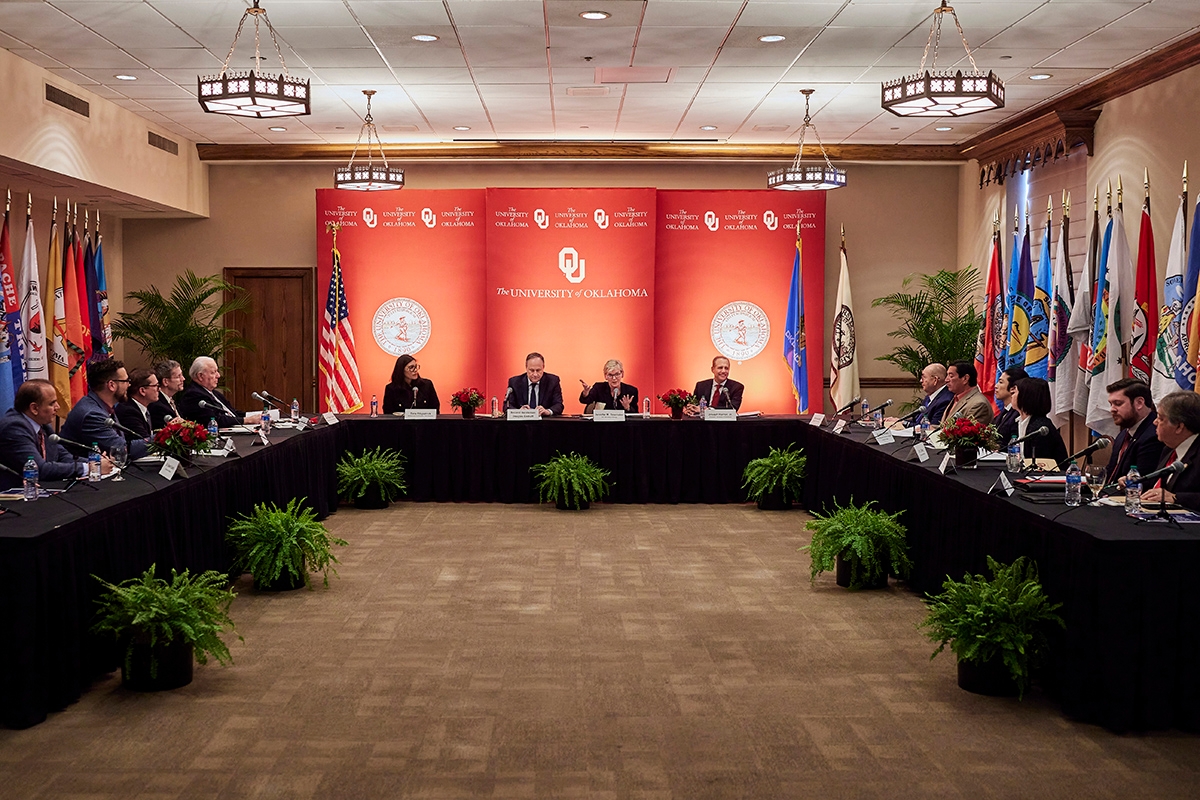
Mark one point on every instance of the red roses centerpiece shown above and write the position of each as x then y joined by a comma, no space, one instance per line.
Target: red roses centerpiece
468,400
676,399
181,438
965,436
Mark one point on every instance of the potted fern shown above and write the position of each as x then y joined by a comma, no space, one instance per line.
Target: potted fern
166,625
572,481
773,481
373,479
281,546
997,628
861,544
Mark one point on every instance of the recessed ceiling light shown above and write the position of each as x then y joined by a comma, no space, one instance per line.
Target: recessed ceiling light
595,15
772,37
462,127
708,127
125,77
1006,58
1041,76
896,129
277,129
425,37
943,128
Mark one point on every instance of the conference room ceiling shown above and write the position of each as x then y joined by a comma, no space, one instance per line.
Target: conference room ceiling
655,70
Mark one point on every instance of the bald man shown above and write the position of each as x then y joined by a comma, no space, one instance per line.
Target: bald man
937,396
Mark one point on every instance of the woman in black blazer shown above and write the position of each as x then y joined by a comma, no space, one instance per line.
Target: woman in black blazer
408,389
1033,404
614,372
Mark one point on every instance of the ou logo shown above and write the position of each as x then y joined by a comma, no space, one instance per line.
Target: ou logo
571,265
541,218
601,218
428,217
369,217
710,219
770,220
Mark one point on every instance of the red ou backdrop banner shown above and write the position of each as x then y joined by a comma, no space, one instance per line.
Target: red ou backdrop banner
470,281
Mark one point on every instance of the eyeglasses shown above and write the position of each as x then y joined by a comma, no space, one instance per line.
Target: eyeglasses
613,374
120,380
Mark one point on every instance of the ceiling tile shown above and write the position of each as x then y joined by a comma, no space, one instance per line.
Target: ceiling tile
178,58
389,12
513,75
365,77
342,57
610,47
399,57
37,57
311,37
504,46
788,14
500,13
678,47
714,13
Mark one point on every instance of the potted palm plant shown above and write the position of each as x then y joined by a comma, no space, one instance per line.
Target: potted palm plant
281,546
773,481
572,481
166,625
373,479
862,544
997,628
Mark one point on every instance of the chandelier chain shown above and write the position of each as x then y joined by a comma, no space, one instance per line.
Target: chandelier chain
256,12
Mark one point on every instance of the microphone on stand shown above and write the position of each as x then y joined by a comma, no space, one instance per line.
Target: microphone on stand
725,394
1178,466
267,398
1042,431
880,407
906,417
1099,444
112,423
54,437
206,404
848,406
507,394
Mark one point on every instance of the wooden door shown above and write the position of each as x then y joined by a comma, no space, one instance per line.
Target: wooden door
281,324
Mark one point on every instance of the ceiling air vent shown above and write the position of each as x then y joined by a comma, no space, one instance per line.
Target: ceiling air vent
587,91
770,128
68,101
163,143
635,74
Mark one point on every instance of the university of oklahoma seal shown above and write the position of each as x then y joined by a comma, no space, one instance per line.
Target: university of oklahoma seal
740,330
843,338
401,326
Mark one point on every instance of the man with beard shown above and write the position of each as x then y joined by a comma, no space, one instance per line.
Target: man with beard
1132,408
108,384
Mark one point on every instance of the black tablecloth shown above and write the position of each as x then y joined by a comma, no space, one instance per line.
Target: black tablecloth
49,553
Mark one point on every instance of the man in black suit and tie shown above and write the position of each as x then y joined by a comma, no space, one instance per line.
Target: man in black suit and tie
1177,426
134,411
205,377
1132,408
25,432
719,391
1008,417
937,396
170,383
536,388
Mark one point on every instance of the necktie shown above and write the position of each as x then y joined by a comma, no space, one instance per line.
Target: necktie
42,442
1170,461
533,395
1117,462
716,398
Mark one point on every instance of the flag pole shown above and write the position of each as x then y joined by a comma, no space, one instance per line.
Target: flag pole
29,207
1185,194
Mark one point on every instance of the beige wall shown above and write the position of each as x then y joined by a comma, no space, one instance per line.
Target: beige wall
899,220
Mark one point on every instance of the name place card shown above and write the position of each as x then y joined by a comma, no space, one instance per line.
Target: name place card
608,415
421,413
523,415
330,418
720,415
883,437
817,419
839,426
921,451
170,465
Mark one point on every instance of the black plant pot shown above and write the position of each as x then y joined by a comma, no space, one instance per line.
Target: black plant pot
773,501
986,677
286,582
167,665
373,498
843,576
563,505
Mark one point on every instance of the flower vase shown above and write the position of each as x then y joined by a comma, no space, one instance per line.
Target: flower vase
676,412
966,457
468,412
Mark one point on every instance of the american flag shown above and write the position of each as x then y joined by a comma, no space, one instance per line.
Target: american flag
340,383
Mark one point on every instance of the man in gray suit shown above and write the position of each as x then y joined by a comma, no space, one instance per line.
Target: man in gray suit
25,432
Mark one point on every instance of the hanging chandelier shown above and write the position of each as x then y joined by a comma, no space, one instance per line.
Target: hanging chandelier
369,177
254,93
813,175
929,93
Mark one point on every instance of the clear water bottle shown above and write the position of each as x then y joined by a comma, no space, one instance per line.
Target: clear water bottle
1074,484
94,464
30,482
703,405
374,406
924,427
214,433
495,406
295,410
646,408
876,419
1133,491
866,413
264,422
1012,460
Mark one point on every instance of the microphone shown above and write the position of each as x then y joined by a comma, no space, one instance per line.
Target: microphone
880,407
908,416
1042,431
266,397
1178,466
725,394
91,448
112,423
221,409
848,406
507,394
1099,444
12,471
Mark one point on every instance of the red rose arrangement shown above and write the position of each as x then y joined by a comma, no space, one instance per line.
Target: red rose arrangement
466,398
966,432
676,398
180,438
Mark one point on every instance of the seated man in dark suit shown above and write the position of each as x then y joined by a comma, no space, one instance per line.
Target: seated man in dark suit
203,390
1177,426
25,432
719,391
170,383
134,412
1132,408
88,421
536,388
612,392
1006,420
937,396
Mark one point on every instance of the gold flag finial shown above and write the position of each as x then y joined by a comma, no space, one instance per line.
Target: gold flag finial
29,205
1185,176
843,236
1016,218
1120,193
55,216
996,223
333,228
87,221
1049,208
7,200
1067,206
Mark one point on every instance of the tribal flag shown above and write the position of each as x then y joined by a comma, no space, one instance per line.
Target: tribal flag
795,346
61,357
1109,331
994,341
102,293
1022,306
1145,312
1037,356
1064,349
32,320
73,328
342,385
843,370
92,293
1171,369
1190,326
12,342
81,286
1080,326
1010,294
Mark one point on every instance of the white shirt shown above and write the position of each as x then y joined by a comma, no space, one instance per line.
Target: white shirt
1184,446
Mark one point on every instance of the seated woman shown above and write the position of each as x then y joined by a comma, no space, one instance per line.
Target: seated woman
408,389
611,392
1032,398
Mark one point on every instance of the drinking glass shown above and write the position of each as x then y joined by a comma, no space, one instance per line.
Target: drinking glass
1095,475
119,455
